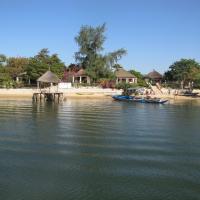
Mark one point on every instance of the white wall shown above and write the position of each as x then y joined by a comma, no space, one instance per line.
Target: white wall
64,85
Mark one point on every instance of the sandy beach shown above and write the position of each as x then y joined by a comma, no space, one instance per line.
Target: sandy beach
89,93
67,93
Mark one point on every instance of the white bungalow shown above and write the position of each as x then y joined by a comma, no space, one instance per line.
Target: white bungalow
124,76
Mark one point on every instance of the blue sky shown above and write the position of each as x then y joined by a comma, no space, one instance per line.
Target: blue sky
155,32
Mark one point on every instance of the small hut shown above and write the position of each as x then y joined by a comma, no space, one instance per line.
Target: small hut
80,77
154,77
48,78
124,76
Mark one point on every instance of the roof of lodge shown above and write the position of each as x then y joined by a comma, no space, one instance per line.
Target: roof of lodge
48,77
81,72
122,73
154,75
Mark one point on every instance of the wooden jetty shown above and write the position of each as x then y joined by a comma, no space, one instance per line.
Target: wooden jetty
48,96
48,79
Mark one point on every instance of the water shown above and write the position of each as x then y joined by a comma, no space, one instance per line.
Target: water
99,150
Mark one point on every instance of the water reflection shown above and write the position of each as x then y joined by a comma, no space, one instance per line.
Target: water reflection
99,149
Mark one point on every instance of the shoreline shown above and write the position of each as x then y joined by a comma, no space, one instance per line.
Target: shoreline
80,93
91,93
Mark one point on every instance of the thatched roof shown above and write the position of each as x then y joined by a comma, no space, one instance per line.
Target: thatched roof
122,73
48,77
81,72
154,75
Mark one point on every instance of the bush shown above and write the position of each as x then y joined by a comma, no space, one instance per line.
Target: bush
125,86
107,83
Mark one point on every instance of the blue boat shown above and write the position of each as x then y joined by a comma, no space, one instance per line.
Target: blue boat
139,99
122,98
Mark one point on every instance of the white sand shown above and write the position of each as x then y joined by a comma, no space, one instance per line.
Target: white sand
90,92
84,92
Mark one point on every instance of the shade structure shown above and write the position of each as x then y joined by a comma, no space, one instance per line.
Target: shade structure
121,73
154,75
81,72
48,77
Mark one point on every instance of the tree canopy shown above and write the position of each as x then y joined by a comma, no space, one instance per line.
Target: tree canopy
2,59
16,65
140,78
42,62
185,70
90,41
28,68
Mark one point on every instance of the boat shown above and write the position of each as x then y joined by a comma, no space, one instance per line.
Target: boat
122,97
139,99
155,100
189,94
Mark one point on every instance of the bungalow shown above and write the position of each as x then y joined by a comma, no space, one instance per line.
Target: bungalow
124,76
76,76
48,78
154,77
80,77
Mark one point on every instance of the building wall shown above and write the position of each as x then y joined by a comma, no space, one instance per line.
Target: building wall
126,80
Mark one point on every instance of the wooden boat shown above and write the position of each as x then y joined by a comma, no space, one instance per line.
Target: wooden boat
155,100
189,94
122,98
139,99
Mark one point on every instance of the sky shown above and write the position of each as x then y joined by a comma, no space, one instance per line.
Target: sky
155,33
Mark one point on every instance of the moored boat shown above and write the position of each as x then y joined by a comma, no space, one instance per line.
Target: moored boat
139,99
155,100
122,97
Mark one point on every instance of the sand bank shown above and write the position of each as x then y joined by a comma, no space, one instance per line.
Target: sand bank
90,93
67,93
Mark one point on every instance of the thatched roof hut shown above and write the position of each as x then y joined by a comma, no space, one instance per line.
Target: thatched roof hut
48,77
154,75
124,76
122,73
81,72
81,76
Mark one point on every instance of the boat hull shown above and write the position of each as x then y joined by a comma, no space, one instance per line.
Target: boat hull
123,98
139,100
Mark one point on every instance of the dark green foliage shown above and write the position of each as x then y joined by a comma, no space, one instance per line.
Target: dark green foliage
125,86
140,78
5,78
28,68
2,60
107,83
117,66
184,70
90,41
42,62
16,65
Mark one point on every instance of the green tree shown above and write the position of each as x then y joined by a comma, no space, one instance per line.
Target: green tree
140,78
2,59
42,62
16,65
90,41
116,66
183,70
5,78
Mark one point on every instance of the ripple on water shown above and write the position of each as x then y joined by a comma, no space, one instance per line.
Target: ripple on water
99,149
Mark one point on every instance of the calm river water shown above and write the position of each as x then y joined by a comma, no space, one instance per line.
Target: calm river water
99,150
